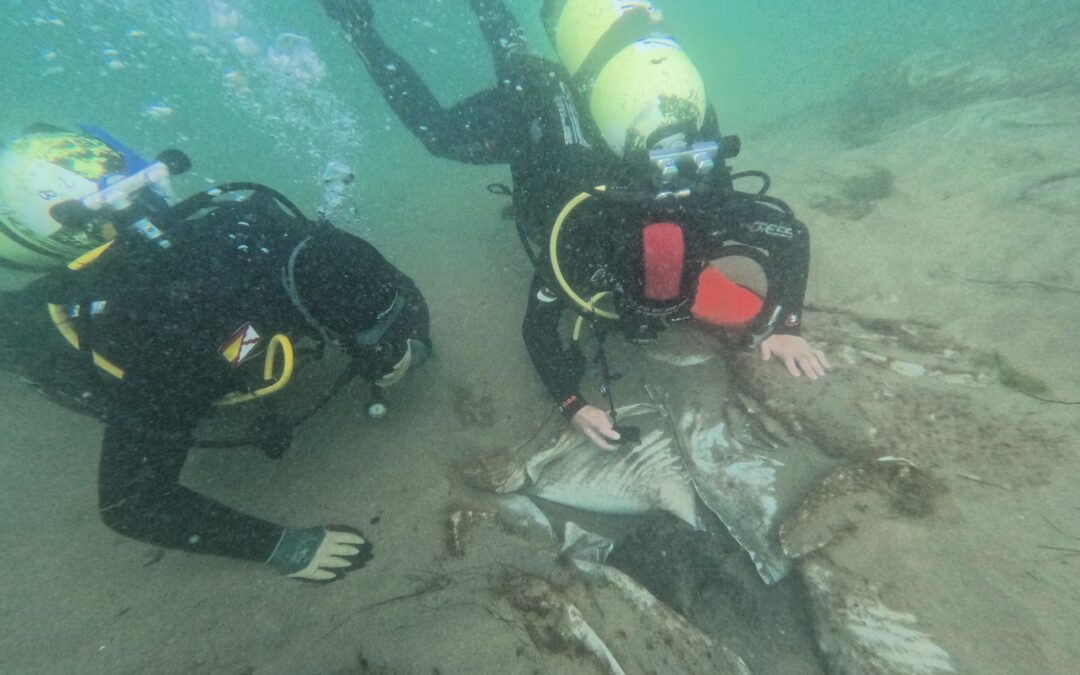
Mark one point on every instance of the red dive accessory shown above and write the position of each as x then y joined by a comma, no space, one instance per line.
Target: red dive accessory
663,253
722,302
718,301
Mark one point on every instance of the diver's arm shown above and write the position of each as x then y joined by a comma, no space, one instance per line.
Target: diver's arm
472,131
791,267
140,495
559,369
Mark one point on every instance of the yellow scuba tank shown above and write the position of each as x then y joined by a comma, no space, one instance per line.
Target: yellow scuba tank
61,194
641,86
38,171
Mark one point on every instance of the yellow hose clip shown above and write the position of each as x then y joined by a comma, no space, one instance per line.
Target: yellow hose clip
63,323
553,253
62,319
278,344
88,257
581,317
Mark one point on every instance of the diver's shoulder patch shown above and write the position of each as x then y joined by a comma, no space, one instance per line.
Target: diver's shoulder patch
241,345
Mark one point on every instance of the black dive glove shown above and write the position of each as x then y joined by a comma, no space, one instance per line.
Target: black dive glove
351,14
320,553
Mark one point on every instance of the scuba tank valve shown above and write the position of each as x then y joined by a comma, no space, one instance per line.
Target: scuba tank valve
119,195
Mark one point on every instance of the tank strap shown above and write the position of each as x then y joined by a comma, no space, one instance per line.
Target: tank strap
632,26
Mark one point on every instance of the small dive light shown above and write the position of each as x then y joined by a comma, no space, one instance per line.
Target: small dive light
376,409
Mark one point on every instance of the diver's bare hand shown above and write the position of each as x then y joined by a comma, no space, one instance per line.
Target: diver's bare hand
596,425
797,355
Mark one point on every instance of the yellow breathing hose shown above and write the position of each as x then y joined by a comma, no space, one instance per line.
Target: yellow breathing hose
278,343
553,253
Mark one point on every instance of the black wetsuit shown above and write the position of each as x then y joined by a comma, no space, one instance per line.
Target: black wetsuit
531,120
167,315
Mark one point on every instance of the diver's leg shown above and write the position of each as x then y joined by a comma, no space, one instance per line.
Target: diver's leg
503,34
454,134
8,343
26,333
32,348
353,15
402,88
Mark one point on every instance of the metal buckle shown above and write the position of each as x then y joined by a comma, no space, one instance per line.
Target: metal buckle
697,159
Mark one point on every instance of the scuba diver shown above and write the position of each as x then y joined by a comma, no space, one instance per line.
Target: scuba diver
175,309
625,210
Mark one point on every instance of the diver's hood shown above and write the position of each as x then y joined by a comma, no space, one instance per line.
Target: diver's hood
352,296
344,285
